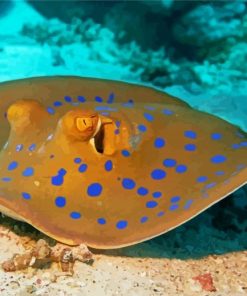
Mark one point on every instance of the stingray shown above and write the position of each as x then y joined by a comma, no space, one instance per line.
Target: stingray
111,164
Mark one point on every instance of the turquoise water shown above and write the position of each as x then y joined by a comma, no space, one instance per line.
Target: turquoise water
195,51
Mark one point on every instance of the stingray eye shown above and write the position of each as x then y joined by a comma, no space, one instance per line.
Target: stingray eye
84,124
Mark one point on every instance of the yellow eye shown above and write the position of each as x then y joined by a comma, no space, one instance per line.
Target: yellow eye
84,123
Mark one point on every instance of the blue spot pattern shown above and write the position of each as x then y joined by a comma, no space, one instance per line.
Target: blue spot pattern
111,98
142,128
82,168
101,221
81,99
216,136
57,104
173,207
28,172
13,165
6,179
157,194
59,178
77,160
188,204
167,112
181,168
202,179
68,99
60,201
32,147
26,195
125,153
50,110
122,224
98,99
175,198
148,116
159,143
218,159
151,204
75,215
19,147
128,183
158,174
144,219
94,189
190,147
190,134
169,162
142,191
108,165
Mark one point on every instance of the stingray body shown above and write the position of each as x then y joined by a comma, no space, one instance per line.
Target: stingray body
110,164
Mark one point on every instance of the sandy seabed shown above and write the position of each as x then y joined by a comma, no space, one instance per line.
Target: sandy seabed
117,275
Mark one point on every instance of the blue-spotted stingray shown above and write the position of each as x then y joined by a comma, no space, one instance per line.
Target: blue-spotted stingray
110,164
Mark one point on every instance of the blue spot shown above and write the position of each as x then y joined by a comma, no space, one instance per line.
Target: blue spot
169,162
82,168
75,215
173,207
77,160
144,219
243,144
13,165
19,147
57,104
142,191
151,108
111,98
151,204
235,146
68,99
161,213
190,147
28,172
175,198
148,117
218,159
118,123
211,185
157,194
50,110
26,195
202,179
125,153
167,112
60,201
108,165
122,224
128,183
181,168
81,99
188,204
58,179
142,128
158,174
117,132
6,179
98,99
101,221
219,173
159,143
94,189
32,147
190,134
216,136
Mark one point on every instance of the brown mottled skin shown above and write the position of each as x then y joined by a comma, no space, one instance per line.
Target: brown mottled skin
80,131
